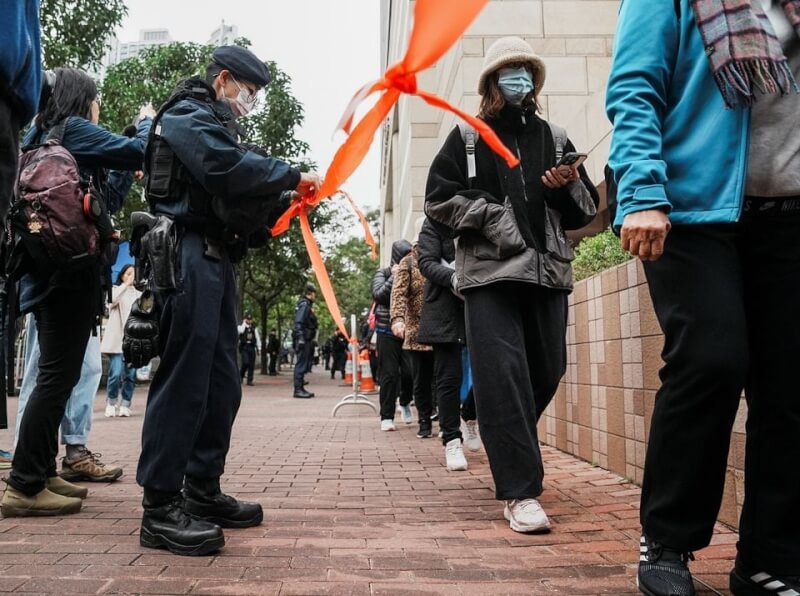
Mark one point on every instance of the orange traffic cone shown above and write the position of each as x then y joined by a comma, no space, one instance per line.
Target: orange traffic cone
348,369
367,382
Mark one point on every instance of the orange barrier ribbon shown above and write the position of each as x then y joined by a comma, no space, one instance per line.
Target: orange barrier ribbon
438,24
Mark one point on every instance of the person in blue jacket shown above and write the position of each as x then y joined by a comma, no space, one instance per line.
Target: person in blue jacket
706,155
194,158
66,304
20,84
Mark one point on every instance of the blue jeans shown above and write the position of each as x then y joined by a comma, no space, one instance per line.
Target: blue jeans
119,373
77,420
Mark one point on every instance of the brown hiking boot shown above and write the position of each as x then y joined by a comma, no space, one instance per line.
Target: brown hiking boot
87,466
17,504
58,485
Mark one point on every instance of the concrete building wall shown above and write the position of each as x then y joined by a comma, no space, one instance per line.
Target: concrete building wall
574,38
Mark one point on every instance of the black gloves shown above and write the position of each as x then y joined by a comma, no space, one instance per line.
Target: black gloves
140,342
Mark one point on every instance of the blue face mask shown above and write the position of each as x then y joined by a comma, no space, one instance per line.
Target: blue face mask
515,84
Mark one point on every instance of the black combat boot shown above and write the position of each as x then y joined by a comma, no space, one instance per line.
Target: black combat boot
301,393
205,500
165,524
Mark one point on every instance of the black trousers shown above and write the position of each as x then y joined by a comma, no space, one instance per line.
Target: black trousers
468,411
196,392
727,299
516,334
248,354
273,363
302,364
339,364
447,382
64,320
422,369
394,368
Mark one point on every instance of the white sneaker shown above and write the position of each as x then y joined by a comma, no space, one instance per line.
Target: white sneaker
471,437
526,515
387,425
111,411
405,411
124,411
454,456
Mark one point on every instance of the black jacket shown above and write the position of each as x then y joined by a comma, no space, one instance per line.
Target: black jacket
442,318
511,226
382,286
305,321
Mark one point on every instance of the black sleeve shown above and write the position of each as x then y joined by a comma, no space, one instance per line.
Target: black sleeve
577,202
382,287
429,256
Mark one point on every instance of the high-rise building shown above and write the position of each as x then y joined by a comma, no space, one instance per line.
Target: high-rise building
224,35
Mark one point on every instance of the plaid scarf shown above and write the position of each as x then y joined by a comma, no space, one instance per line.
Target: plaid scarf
744,52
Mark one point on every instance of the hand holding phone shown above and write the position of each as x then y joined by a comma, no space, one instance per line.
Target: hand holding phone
572,159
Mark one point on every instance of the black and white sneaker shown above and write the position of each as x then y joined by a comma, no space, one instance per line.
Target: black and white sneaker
663,572
747,582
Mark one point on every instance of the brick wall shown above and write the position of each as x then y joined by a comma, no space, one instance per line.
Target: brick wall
603,408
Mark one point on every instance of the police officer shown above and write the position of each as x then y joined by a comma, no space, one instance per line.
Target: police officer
305,330
249,345
194,159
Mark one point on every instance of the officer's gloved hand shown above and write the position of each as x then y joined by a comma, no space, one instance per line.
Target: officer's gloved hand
140,342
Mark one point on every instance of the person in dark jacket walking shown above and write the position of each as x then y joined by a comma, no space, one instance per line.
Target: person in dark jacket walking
305,330
339,350
197,168
442,326
273,351
249,347
394,366
65,304
513,267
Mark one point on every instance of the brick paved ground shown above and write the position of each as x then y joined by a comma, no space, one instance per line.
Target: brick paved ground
348,510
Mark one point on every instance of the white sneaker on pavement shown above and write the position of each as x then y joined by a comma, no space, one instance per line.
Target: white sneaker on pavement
405,411
454,456
472,439
387,425
526,516
124,411
111,411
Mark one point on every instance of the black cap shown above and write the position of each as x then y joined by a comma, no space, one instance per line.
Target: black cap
311,288
243,63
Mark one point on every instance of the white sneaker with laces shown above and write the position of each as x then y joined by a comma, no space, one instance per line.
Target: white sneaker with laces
111,411
124,411
454,456
387,425
471,437
526,516
405,411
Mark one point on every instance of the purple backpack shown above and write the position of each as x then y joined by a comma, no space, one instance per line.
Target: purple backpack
53,215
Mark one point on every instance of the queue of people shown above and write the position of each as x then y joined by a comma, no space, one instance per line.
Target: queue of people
486,277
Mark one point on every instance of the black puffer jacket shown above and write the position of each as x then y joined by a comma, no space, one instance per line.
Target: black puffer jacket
442,318
382,286
510,226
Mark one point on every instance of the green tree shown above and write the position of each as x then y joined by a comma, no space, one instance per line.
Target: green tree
75,32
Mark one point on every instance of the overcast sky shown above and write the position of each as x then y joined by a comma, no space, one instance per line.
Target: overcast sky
329,48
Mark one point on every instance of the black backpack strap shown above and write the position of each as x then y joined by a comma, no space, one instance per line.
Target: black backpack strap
57,132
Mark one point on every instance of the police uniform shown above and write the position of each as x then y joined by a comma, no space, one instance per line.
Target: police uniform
305,330
195,393
248,345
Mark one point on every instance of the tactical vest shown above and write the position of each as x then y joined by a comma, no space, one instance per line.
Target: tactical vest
167,181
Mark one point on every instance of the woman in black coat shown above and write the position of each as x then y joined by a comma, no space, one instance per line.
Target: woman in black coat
513,264
442,326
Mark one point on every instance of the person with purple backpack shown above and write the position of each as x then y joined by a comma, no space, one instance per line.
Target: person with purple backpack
66,301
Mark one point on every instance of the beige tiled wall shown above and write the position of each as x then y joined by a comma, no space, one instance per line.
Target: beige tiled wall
603,408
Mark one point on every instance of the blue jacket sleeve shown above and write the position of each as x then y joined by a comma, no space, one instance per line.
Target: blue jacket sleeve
119,185
213,157
95,146
645,52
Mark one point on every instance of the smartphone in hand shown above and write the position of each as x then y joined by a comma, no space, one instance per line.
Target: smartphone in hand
572,159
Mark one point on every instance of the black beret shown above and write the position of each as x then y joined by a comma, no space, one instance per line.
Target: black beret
243,63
